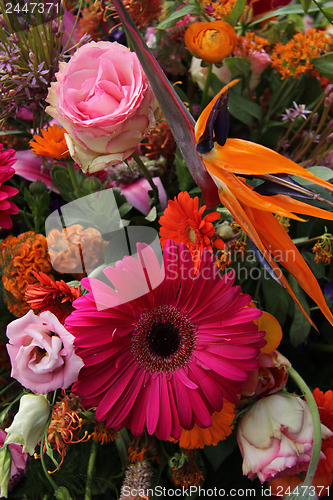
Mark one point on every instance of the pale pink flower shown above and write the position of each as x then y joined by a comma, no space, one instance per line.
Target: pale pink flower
42,353
103,99
137,194
16,468
271,376
275,437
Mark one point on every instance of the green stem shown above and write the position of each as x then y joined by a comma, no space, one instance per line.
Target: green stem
147,176
314,346
72,175
316,425
46,472
75,23
204,98
322,11
91,466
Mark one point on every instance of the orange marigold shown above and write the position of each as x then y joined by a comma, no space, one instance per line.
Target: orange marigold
183,222
20,257
52,144
49,295
295,58
211,41
75,249
220,429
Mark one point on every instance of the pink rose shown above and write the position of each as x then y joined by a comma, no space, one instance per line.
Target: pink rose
42,353
103,99
275,437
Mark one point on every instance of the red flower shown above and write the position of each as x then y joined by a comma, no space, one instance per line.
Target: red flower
50,295
7,207
261,7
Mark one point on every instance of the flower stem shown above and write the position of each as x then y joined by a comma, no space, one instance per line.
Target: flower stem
207,85
316,425
72,175
91,466
147,176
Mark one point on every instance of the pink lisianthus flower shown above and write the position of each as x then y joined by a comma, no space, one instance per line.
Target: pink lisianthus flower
103,99
275,437
42,353
163,349
10,473
7,207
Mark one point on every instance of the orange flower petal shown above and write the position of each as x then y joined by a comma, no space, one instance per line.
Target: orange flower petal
211,41
273,330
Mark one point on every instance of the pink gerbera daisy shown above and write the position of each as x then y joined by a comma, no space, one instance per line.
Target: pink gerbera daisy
7,207
165,360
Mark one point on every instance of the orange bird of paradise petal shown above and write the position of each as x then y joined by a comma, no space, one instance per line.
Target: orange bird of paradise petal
231,162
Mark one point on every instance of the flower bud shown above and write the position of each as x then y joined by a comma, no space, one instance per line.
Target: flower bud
29,423
5,465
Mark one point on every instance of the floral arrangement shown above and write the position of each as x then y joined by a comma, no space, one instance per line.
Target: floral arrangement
166,249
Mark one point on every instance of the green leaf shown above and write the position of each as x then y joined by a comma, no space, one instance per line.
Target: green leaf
300,327
190,8
292,9
276,299
328,13
318,268
217,454
324,65
236,12
185,179
238,66
244,110
306,4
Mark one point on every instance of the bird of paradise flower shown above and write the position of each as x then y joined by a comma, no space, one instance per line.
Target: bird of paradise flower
224,166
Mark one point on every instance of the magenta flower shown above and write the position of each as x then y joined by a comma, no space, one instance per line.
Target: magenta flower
7,207
166,359
41,352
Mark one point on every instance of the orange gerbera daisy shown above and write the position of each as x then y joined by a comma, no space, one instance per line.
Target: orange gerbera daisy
183,222
50,295
221,428
52,144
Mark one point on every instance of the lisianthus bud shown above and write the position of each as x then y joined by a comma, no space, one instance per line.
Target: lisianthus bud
275,437
5,464
104,101
29,423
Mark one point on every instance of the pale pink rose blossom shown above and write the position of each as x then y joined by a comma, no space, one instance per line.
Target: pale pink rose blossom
275,437
103,99
42,353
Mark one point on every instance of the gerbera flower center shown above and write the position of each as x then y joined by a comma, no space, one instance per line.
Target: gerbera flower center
163,339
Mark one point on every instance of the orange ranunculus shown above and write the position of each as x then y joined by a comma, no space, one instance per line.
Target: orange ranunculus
211,41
